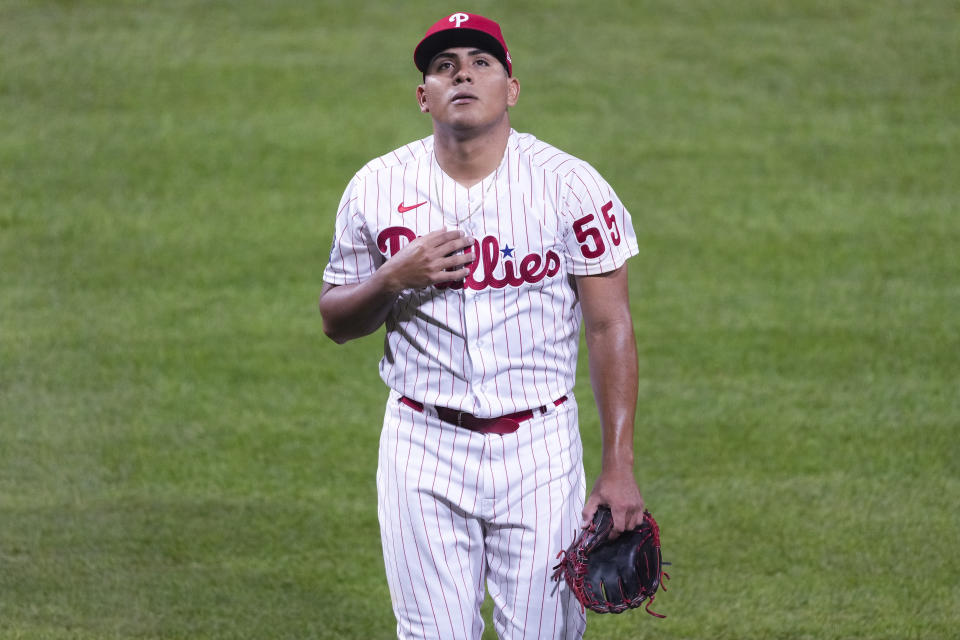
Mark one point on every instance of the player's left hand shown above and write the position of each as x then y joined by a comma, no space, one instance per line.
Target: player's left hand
617,490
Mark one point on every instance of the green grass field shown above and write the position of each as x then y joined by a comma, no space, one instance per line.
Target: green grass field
183,454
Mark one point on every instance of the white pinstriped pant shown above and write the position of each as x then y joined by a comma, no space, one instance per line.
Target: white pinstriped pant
458,508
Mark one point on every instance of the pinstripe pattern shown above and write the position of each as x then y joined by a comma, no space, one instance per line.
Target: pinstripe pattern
462,512
481,348
446,493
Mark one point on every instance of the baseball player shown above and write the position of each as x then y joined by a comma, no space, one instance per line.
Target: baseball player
481,249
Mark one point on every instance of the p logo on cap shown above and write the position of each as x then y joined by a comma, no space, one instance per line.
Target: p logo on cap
462,30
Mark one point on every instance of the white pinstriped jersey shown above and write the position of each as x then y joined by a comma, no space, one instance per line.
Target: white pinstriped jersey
506,338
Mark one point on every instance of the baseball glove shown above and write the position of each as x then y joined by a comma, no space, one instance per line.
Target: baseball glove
611,576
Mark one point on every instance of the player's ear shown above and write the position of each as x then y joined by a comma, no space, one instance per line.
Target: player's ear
422,99
513,91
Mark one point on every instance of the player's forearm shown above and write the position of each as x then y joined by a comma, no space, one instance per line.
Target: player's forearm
356,310
613,376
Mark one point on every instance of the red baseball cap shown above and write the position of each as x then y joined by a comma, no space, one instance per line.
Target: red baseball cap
458,30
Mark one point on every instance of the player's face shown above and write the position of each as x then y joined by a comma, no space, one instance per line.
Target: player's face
467,88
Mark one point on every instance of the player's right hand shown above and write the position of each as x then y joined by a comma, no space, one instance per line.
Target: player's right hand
438,256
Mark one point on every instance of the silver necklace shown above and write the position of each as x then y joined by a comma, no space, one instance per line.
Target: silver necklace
473,207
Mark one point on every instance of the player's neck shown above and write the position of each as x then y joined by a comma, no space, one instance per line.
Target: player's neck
470,156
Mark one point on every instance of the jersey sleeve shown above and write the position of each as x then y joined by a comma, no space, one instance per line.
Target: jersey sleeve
353,254
600,237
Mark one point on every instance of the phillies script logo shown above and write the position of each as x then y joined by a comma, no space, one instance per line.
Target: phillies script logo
531,269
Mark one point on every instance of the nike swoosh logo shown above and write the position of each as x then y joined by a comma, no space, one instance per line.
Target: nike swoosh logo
403,209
